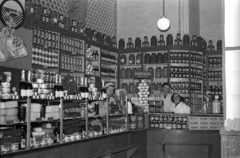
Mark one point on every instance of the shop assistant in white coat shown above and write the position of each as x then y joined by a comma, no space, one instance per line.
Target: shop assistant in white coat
179,105
166,96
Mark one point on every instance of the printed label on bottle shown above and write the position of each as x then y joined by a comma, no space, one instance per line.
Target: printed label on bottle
57,94
29,92
83,95
61,93
23,93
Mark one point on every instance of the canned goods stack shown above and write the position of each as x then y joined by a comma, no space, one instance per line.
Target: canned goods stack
143,94
140,121
133,121
168,121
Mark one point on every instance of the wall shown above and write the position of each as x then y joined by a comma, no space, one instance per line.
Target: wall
138,18
211,19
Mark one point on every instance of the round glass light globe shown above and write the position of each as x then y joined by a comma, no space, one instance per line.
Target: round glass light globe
163,23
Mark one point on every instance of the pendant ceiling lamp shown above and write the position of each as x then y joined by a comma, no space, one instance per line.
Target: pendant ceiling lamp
163,23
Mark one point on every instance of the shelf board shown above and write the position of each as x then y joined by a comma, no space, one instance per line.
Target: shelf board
215,52
135,65
215,68
70,72
87,75
214,81
70,53
108,78
179,64
37,66
102,46
92,60
179,79
106,63
160,64
196,65
196,80
162,48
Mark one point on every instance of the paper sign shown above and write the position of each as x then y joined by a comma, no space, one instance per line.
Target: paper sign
143,75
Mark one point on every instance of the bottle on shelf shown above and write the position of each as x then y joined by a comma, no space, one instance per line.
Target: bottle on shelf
56,87
139,58
29,85
23,138
216,105
23,86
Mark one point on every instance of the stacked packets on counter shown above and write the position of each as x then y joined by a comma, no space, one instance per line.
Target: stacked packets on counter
143,94
8,112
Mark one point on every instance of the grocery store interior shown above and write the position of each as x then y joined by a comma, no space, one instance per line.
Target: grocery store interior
119,79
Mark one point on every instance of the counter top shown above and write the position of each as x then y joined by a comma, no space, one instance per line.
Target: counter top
230,133
183,131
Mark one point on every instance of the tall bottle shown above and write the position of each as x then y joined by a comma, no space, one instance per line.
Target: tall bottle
61,91
23,139
56,87
29,85
216,106
23,86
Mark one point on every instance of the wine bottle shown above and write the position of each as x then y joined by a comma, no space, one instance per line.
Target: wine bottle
56,87
29,85
23,86
23,139
61,91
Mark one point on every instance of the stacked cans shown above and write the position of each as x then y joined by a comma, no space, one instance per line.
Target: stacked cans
143,93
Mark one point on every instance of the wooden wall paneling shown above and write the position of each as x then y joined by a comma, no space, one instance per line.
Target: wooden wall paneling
139,139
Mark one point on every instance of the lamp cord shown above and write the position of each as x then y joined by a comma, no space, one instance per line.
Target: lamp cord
163,7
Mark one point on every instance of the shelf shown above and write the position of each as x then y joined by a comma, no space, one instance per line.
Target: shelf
102,46
196,80
134,65
196,65
162,48
117,115
37,66
179,79
70,53
215,53
86,75
92,60
214,81
160,64
179,64
108,78
215,68
106,63
70,71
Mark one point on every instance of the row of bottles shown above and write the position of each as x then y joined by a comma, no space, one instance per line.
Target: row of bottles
71,63
92,54
216,90
196,104
71,45
132,59
92,70
41,12
196,73
215,75
196,41
107,71
45,38
109,57
45,56
179,71
215,61
156,58
196,88
128,72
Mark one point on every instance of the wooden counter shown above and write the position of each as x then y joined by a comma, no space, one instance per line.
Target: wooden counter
115,144
183,143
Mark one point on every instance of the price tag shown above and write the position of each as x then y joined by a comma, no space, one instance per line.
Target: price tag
39,119
74,117
38,138
9,122
50,119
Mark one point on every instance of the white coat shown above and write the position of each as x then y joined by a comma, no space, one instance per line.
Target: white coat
182,108
168,104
